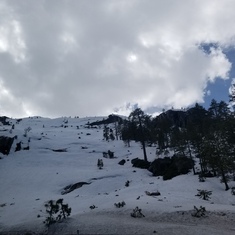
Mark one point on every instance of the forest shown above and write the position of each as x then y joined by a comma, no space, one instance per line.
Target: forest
204,135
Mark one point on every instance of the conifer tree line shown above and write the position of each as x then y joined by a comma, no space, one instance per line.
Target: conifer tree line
198,133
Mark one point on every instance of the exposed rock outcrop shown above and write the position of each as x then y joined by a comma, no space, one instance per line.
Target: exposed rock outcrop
111,119
72,187
5,144
171,167
139,163
4,120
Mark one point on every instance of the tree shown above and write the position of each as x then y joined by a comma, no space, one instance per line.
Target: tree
180,142
126,132
162,130
232,94
196,126
56,211
219,142
106,133
137,117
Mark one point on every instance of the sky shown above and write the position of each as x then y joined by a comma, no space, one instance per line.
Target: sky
96,57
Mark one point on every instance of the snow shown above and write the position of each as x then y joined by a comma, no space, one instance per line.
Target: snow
29,178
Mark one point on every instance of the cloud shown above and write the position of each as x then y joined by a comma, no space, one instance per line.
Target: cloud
62,57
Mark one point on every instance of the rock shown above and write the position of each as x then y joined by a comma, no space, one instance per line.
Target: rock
18,147
139,163
111,119
5,121
122,162
72,187
59,150
171,167
160,166
5,144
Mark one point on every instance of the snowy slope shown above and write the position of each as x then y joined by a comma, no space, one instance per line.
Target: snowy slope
29,178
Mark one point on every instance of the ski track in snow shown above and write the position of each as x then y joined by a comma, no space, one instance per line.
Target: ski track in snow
31,178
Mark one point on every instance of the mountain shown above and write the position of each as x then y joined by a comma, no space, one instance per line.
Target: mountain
57,158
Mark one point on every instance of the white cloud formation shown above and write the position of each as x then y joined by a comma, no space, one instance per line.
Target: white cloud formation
85,58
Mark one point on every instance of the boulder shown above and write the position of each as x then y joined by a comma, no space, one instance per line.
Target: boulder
171,167
5,144
160,166
122,162
5,121
140,163
111,119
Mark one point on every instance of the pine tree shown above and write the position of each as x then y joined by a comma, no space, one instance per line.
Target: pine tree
196,126
219,142
137,117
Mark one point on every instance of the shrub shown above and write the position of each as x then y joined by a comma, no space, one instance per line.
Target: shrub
120,204
111,154
56,211
201,178
204,194
199,212
93,207
26,131
233,191
137,213
100,164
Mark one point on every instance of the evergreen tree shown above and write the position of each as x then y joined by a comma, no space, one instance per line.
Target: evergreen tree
106,134
162,130
220,141
137,118
196,126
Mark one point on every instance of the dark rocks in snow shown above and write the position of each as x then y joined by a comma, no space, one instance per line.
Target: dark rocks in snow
160,166
157,193
122,162
59,150
140,163
18,147
5,144
111,119
72,187
26,148
171,167
4,121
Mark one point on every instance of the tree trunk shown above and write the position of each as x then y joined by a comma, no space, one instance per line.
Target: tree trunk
116,131
190,154
224,179
200,163
214,171
144,151
143,139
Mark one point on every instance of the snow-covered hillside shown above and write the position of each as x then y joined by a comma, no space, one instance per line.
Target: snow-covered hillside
65,151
